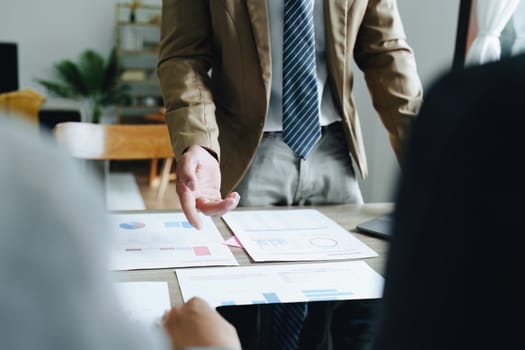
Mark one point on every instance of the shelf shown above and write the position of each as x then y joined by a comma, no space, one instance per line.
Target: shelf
144,89
137,38
138,24
136,111
148,15
141,6
139,61
137,52
136,44
145,82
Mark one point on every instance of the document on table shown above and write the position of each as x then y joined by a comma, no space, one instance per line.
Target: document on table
267,284
165,240
294,235
144,302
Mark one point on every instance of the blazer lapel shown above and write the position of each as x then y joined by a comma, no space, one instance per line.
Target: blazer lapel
335,14
258,11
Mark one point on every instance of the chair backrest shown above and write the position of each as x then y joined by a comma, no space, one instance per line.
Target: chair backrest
25,103
114,141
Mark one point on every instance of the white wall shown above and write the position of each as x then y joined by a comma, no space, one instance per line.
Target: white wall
48,31
430,26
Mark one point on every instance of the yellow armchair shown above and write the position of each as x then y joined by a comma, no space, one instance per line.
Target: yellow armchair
25,103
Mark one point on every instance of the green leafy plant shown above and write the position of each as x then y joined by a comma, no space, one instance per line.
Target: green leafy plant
92,77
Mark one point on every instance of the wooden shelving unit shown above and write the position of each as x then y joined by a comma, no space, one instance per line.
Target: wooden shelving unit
137,40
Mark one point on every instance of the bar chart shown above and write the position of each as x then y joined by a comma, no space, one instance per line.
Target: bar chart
285,283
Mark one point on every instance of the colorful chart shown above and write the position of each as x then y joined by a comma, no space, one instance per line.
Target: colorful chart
177,224
201,251
283,283
132,225
165,240
325,294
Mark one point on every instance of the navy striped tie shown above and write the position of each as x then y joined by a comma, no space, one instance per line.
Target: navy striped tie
301,127
287,323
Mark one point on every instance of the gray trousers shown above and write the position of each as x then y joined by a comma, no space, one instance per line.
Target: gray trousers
278,176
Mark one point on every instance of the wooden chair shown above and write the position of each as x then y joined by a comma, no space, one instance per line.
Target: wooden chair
119,142
23,103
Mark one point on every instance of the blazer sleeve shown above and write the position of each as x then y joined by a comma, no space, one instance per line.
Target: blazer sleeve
185,59
389,68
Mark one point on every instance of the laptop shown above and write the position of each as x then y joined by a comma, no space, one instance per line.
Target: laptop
380,226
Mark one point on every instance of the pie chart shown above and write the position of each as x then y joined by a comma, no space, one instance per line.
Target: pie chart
132,225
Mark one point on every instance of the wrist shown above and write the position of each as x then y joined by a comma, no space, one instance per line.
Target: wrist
211,152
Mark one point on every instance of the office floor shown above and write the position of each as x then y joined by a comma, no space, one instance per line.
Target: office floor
140,170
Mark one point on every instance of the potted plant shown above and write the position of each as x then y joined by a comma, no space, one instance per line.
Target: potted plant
92,78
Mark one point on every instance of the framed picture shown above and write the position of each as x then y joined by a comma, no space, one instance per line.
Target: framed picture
8,67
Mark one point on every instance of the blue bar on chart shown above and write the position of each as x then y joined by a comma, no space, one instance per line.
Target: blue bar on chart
177,224
271,297
324,294
259,302
228,303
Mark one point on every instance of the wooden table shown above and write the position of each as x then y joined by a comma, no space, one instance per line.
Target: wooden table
348,216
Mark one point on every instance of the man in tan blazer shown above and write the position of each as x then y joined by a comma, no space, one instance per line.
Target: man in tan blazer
215,69
220,69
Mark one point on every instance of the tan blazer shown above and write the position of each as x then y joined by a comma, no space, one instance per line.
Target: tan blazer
225,111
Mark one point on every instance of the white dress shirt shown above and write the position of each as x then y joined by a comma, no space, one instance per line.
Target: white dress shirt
329,113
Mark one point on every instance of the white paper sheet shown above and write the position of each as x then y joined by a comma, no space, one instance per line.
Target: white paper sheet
294,235
267,284
144,302
165,240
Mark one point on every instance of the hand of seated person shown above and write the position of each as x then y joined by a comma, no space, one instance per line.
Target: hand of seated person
196,324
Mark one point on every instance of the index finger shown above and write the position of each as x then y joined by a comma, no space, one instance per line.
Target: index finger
189,205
